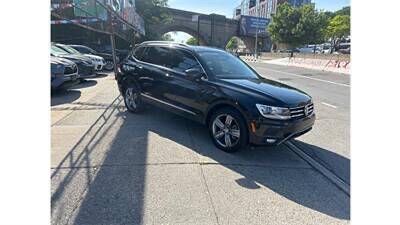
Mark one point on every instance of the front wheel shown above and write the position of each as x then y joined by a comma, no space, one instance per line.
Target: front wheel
109,65
228,130
132,99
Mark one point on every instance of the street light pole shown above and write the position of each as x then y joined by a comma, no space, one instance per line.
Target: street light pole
255,56
256,41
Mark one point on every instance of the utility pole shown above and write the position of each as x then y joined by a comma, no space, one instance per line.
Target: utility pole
112,38
255,56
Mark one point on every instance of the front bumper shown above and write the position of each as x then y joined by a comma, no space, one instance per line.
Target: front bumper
65,81
275,132
98,65
86,71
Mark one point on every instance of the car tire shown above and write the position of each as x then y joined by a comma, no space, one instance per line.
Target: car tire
109,65
230,132
132,99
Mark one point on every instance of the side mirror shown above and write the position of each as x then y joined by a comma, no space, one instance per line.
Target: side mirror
194,74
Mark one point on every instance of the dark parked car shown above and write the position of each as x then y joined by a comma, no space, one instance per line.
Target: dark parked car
64,73
215,88
85,65
107,57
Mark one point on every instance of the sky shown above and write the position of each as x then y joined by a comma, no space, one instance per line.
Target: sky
225,7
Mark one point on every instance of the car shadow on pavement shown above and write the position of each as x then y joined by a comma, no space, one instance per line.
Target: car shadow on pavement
59,97
84,84
101,75
113,158
335,163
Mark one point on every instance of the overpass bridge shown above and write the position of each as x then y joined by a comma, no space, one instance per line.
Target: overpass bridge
214,30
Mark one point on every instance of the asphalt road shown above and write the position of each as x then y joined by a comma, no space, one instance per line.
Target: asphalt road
109,166
329,141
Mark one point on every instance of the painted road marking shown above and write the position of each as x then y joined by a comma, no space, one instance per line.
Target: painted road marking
311,78
329,105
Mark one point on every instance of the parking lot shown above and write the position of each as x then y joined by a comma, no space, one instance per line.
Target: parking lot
109,166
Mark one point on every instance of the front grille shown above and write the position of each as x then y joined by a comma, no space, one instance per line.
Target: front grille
70,70
300,112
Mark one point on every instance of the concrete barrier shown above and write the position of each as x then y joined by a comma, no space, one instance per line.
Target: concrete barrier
249,57
337,65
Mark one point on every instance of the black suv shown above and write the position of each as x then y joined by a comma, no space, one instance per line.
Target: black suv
215,88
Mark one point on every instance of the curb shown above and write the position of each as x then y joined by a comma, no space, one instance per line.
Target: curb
328,174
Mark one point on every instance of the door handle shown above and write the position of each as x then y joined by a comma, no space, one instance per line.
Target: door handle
139,67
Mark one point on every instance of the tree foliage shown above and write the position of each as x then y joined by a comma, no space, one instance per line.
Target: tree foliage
167,37
345,11
283,27
337,29
153,13
233,43
191,41
297,26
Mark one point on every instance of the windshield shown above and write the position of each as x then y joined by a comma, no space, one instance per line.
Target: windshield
58,51
70,49
226,66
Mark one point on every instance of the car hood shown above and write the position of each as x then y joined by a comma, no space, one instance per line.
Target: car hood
288,95
94,56
61,61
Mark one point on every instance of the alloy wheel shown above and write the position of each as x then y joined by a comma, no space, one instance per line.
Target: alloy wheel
131,97
109,65
226,130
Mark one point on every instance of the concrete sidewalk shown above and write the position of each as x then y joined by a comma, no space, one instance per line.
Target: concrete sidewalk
113,167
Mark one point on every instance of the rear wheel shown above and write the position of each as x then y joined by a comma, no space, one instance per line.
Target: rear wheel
132,99
228,130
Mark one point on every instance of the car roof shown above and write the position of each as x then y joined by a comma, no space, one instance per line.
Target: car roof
180,45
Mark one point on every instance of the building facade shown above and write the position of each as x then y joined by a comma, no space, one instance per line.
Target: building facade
263,8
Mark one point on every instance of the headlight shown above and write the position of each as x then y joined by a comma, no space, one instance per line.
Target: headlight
272,112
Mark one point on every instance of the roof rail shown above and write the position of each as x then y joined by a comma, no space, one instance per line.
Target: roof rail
164,42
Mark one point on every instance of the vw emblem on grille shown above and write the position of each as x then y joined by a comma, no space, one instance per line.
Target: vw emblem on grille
306,111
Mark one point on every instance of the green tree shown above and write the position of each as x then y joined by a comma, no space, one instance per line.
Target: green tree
233,43
167,37
283,27
298,26
312,25
153,12
345,11
338,28
191,41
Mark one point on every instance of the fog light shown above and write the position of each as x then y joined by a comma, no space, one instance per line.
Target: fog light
270,140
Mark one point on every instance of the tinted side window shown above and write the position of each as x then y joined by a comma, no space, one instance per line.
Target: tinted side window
82,50
182,60
156,55
138,53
